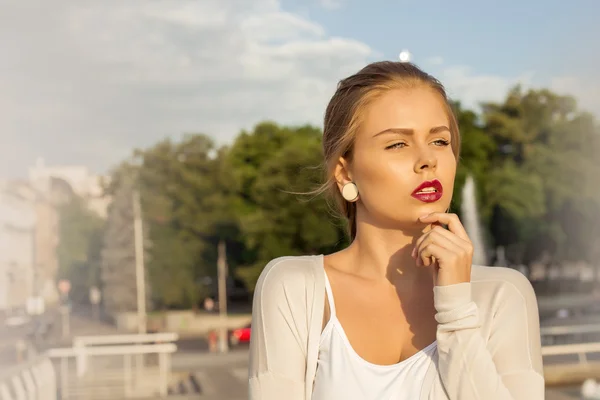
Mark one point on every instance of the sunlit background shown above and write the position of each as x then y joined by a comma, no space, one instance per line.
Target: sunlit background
148,149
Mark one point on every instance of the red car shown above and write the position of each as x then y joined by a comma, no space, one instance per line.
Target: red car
240,335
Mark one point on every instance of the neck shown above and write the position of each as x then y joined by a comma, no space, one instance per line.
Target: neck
385,253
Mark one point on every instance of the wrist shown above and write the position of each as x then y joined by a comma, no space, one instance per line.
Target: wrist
451,297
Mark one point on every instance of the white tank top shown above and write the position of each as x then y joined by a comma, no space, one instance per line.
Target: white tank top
342,374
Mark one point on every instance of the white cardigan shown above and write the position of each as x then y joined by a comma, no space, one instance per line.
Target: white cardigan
488,335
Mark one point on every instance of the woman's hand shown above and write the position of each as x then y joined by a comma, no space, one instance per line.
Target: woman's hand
449,251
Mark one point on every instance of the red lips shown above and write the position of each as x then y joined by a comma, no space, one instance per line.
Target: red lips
429,196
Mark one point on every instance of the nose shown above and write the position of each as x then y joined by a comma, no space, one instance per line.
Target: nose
426,160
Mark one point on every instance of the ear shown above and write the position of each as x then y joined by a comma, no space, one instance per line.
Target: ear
342,172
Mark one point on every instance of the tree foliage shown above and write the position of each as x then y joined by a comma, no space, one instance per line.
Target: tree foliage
118,266
78,251
540,180
533,157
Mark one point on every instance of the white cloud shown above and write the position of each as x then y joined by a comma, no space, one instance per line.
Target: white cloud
471,88
585,90
85,82
331,4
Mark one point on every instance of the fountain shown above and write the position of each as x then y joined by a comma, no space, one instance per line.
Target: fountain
470,219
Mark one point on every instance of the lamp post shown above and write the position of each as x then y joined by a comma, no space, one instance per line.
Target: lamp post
222,277
139,263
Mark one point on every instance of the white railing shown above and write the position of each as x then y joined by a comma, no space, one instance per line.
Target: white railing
570,333
34,380
125,339
579,349
39,379
81,342
562,330
130,380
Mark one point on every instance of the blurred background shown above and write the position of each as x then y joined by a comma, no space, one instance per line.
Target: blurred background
148,149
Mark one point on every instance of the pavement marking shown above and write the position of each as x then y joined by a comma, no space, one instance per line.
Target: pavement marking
205,382
241,374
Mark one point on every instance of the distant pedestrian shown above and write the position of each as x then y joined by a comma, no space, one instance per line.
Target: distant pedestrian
209,304
212,341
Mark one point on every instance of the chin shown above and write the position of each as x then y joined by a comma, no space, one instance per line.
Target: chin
430,208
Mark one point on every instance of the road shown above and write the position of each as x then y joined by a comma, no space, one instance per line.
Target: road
214,375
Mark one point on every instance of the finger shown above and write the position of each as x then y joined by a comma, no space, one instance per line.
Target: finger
452,220
464,244
433,250
435,231
419,241
439,240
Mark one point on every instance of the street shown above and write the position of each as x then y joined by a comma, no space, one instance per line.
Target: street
214,375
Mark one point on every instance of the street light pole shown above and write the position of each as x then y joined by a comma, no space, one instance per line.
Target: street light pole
139,276
139,263
222,277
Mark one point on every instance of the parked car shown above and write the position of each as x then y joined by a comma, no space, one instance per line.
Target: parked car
240,335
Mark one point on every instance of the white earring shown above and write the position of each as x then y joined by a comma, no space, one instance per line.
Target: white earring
350,192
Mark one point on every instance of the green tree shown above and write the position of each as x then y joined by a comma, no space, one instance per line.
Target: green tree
186,206
476,150
273,167
545,154
78,249
118,265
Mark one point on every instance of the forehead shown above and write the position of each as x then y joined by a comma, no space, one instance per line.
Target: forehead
419,109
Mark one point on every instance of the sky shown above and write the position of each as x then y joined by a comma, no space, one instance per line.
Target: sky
85,82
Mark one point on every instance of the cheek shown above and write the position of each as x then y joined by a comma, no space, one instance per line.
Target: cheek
383,174
447,165
447,172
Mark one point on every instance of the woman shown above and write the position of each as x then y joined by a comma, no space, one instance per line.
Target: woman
400,313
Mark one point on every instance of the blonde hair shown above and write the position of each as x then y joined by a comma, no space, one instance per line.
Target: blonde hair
344,112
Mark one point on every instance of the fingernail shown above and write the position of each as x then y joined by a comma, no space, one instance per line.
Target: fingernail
412,253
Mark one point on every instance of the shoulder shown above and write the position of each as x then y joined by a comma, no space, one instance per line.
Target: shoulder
288,275
502,282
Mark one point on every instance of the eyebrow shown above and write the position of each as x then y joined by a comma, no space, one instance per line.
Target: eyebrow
408,131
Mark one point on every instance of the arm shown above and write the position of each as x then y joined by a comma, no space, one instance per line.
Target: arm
277,346
509,365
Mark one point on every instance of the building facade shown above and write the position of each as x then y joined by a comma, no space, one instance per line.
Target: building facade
29,229
82,182
17,244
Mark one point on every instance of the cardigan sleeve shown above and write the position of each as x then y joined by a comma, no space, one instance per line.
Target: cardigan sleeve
278,348
507,365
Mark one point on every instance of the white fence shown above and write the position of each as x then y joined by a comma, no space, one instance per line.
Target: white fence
64,373
562,330
582,350
34,380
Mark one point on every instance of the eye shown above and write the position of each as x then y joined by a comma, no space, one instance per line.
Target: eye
442,142
398,145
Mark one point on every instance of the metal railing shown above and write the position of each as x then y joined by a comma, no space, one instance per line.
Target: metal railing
579,349
63,373
126,338
582,350
561,330
81,342
131,381
31,380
